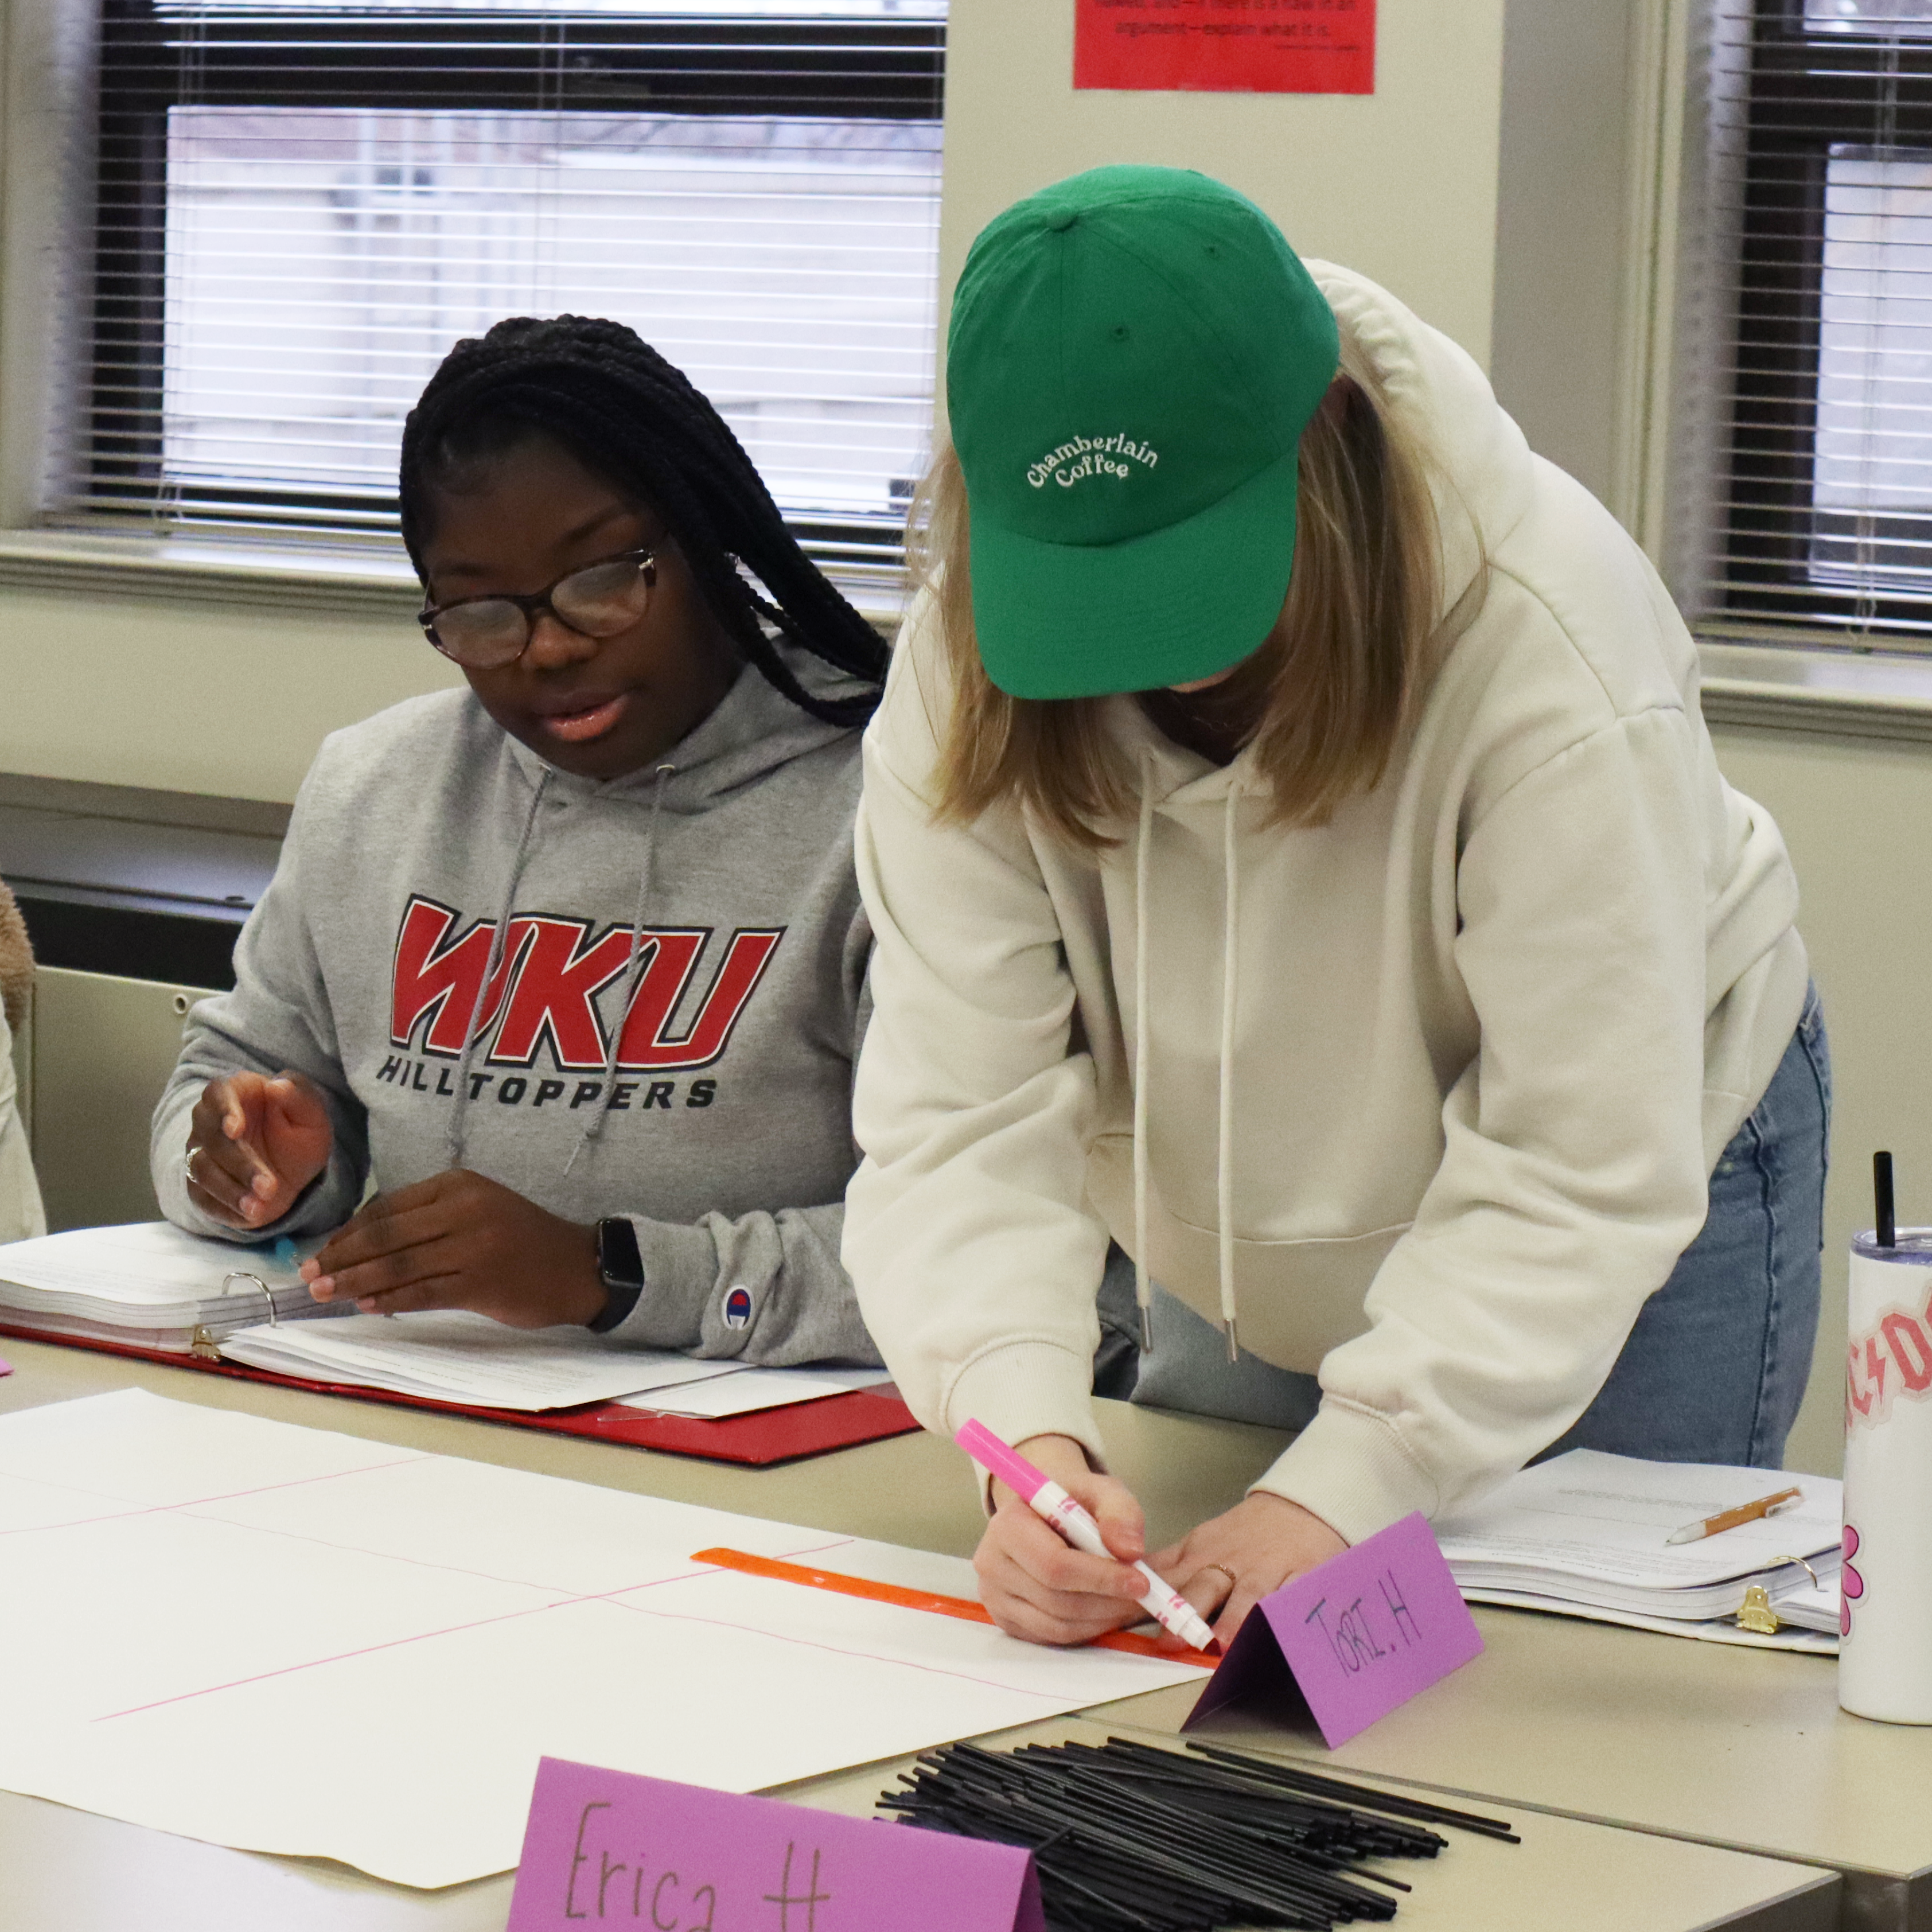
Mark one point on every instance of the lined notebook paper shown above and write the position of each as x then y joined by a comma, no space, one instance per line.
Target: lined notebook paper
453,1355
1586,1532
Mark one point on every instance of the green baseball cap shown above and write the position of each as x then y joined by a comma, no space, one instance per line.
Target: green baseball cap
1133,355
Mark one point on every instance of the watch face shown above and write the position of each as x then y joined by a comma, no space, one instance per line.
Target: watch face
618,1260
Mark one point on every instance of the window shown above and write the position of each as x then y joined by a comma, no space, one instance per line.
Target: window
1820,140
301,207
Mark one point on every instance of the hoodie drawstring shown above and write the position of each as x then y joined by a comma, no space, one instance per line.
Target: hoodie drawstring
593,1128
452,1148
1224,1177
1143,1286
1224,1174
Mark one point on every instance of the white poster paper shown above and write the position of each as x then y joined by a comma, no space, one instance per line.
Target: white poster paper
290,1641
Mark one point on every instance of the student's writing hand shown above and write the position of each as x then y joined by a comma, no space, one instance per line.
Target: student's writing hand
1225,1568
459,1241
253,1143
1033,1584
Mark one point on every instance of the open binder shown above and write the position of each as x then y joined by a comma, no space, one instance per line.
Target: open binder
800,1429
154,1293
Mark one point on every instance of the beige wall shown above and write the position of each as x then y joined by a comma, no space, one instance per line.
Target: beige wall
222,699
1400,184
1851,811
1563,265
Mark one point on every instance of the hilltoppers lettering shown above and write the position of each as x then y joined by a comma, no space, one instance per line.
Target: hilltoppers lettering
1073,462
544,994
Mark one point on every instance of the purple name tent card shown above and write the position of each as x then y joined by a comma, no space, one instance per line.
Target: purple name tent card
1352,1639
605,1845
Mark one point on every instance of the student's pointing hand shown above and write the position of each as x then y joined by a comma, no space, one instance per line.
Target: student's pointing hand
459,1241
253,1143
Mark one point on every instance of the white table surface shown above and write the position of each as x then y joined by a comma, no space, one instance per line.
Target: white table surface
1510,1720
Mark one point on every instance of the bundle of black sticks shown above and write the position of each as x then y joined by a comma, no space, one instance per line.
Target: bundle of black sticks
1129,1838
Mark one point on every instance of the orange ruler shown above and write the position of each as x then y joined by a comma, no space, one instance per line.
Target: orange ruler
961,1607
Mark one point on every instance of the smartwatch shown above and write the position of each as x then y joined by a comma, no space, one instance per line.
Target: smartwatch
621,1268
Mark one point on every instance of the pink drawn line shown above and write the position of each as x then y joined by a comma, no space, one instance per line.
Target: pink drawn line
341,1657
816,1550
832,1649
563,1602
53,1483
202,1502
561,1590
483,1576
395,1556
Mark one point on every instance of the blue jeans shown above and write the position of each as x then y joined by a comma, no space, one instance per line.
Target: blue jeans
1716,1365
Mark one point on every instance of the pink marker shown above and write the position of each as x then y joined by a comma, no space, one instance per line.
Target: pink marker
1047,1500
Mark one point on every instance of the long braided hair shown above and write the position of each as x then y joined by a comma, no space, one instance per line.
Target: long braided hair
602,392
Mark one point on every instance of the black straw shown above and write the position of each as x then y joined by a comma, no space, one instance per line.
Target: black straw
1888,1219
1129,1838
1360,1795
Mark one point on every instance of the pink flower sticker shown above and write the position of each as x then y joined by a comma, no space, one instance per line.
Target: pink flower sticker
1850,1583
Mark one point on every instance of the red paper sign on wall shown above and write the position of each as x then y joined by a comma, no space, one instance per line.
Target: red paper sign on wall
1238,46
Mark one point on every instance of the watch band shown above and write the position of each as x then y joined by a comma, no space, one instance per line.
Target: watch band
621,1268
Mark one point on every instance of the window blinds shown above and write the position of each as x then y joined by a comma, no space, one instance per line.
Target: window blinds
1811,316
301,207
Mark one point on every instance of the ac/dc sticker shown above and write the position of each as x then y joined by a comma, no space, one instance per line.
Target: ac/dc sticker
1890,1362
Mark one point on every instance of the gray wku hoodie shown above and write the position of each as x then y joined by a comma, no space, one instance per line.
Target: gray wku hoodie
717,1115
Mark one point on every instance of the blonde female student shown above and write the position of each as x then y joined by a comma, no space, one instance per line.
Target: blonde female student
1295,852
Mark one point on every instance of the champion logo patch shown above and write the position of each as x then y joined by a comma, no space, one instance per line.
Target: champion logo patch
738,1309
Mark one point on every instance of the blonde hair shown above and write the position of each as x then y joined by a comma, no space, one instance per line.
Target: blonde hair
1335,681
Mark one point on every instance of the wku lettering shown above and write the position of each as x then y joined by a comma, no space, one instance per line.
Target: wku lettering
648,1046
547,988
557,981
432,978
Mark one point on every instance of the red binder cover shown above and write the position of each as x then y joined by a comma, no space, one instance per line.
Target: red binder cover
800,1428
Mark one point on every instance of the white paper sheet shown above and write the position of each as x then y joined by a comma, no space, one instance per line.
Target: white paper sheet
1707,1629
294,1642
745,1391
145,1263
1592,1527
453,1355
148,1269
1813,1606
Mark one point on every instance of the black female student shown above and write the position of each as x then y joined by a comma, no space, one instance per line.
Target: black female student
569,960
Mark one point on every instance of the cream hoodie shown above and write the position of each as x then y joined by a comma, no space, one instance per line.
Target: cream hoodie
1430,1094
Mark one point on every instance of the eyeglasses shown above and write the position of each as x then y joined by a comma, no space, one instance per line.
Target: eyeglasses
597,600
